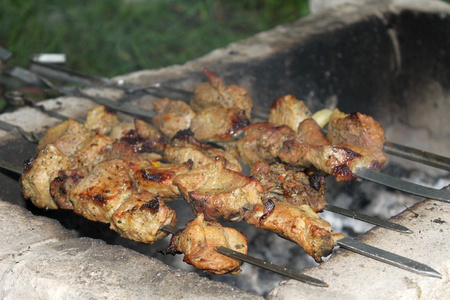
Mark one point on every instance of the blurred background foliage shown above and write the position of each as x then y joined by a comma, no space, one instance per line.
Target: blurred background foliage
112,37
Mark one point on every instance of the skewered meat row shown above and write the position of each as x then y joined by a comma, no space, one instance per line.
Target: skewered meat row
98,184
353,141
314,230
219,193
308,148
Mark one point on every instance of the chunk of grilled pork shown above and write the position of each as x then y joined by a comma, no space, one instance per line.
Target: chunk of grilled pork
215,94
217,192
216,124
66,136
298,223
359,133
35,179
172,116
141,217
289,111
100,193
185,147
262,141
283,182
198,242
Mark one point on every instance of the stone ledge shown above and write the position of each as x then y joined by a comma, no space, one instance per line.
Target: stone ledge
39,259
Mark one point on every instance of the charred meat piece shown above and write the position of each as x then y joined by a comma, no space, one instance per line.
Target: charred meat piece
158,178
185,147
282,182
199,240
262,142
141,217
287,110
218,124
298,223
121,130
62,182
361,134
215,94
152,139
173,116
35,180
66,136
100,193
217,192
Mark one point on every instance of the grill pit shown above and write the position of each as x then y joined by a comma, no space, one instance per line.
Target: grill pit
383,58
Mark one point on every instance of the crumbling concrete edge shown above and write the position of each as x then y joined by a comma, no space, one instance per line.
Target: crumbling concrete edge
39,259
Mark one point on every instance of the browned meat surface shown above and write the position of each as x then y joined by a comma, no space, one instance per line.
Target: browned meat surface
199,240
282,182
66,136
158,178
141,217
361,134
173,116
298,223
101,120
102,191
150,139
62,182
287,110
185,147
309,132
217,192
332,160
93,150
215,94
218,124
35,180
262,142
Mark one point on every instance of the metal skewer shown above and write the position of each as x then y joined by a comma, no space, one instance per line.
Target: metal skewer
387,257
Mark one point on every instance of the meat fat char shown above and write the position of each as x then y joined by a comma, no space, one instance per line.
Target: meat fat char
102,191
141,217
282,182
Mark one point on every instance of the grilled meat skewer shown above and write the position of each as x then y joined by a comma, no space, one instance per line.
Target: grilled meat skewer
135,212
184,147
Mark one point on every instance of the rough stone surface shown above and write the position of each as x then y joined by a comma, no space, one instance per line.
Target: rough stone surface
41,260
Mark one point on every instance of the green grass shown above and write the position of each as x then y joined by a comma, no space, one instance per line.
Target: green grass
112,37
